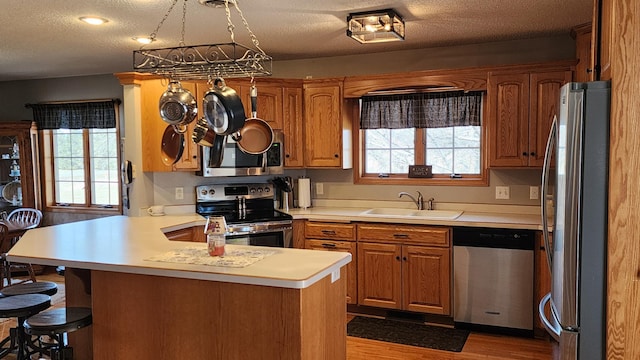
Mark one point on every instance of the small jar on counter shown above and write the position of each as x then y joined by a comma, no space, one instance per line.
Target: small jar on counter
215,229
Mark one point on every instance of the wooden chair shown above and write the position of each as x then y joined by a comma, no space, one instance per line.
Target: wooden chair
5,245
24,218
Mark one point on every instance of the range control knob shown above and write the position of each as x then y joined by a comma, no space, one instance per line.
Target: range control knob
212,192
204,192
252,190
267,190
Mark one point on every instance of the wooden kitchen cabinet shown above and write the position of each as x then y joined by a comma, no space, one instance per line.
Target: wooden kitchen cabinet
336,237
405,267
292,127
521,107
279,104
324,125
153,128
16,169
584,54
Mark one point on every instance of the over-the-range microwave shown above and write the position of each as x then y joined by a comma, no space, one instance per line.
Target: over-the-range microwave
236,162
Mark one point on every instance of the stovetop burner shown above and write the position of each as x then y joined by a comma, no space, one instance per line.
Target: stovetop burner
239,203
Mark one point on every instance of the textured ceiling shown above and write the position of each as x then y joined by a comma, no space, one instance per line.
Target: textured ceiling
42,39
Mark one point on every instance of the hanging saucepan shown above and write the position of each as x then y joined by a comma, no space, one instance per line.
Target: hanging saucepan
178,106
223,109
202,134
172,145
256,136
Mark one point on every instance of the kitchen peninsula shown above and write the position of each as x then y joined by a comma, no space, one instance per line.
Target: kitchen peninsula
289,305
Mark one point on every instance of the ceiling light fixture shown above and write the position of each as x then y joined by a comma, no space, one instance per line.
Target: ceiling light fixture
205,61
143,39
375,26
93,20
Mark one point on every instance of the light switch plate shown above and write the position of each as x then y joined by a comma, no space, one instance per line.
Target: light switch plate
502,193
179,193
534,193
319,188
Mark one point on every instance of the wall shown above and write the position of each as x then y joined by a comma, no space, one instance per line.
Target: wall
337,183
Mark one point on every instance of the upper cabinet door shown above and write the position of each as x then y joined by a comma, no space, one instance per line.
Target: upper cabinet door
544,105
521,108
508,119
269,103
292,127
323,125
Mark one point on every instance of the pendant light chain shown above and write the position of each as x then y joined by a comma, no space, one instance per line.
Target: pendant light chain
229,22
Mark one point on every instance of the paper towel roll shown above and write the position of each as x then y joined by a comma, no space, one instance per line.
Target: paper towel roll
304,193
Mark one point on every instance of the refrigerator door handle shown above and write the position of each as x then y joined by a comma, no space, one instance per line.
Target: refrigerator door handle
545,188
553,329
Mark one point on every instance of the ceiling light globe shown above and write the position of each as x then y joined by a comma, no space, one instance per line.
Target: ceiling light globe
92,20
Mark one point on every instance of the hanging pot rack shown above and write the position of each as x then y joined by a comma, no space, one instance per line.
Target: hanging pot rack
201,62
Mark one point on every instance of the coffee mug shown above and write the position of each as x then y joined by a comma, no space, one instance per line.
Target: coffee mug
156,210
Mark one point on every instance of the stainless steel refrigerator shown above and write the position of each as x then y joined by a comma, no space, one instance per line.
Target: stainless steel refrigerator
576,164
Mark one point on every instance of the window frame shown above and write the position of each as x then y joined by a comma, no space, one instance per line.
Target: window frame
48,178
359,177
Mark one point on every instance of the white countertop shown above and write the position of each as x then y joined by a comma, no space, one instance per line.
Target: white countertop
505,220
121,244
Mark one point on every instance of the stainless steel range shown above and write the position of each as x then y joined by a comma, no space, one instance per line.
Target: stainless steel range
249,212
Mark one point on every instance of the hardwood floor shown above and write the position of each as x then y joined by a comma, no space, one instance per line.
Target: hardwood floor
478,346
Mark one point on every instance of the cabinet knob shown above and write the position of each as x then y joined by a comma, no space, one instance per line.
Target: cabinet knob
287,156
336,156
589,71
404,258
525,153
398,258
532,154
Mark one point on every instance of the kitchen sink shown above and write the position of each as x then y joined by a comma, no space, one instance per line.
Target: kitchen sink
409,213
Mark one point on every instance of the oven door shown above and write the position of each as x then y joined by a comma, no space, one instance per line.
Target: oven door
272,234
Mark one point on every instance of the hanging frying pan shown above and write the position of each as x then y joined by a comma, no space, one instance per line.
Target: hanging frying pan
172,145
223,108
177,106
256,136
216,151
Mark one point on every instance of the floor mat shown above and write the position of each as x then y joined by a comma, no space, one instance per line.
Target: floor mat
407,333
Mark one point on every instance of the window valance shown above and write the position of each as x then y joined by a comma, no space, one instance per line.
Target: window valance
75,115
421,110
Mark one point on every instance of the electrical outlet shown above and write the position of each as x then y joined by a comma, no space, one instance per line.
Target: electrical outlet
319,188
502,192
534,193
179,193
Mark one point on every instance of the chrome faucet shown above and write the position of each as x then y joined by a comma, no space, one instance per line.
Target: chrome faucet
419,201
430,204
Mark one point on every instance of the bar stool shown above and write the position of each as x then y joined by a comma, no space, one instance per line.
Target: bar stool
20,307
56,323
41,287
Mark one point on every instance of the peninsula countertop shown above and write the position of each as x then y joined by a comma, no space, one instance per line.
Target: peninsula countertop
121,244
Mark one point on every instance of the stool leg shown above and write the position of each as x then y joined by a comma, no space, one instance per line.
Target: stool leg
32,273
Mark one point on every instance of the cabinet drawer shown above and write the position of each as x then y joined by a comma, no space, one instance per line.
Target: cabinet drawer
321,230
330,245
409,234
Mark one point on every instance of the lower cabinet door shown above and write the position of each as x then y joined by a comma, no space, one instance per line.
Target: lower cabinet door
346,246
426,283
379,275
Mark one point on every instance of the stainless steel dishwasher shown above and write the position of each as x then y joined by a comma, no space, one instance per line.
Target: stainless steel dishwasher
493,279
